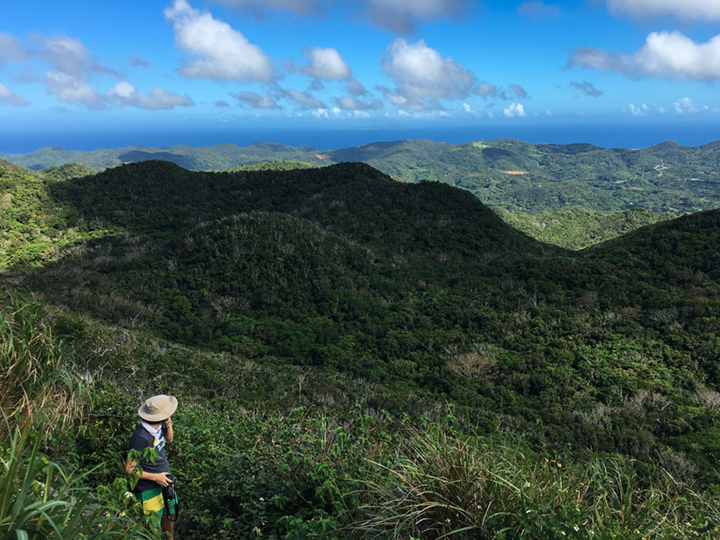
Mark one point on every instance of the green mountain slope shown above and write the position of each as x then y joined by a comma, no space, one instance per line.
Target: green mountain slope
419,288
67,171
577,228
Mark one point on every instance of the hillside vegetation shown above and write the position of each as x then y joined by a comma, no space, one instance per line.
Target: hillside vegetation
521,177
578,228
353,354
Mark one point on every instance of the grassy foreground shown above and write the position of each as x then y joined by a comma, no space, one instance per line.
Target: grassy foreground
303,473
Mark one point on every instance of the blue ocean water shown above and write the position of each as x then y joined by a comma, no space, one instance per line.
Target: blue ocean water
606,135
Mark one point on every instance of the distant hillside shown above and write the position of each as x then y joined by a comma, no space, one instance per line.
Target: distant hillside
577,228
67,171
531,178
217,157
274,166
7,168
542,178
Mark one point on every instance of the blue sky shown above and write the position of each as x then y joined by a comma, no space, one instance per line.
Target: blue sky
193,67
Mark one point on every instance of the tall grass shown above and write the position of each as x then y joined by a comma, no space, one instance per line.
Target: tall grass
32,376
455,486
39,499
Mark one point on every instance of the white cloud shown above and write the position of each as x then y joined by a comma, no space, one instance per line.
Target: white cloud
224,53
304,99
72,89
138,61
9,97
355,88
586,88
639,111
258,101
519,91
320,113
124,94
702,10
348,103
538,10
669,55
485,90
72,66
71,57
10,50
515,110
325,64
469,110
422,73
684,106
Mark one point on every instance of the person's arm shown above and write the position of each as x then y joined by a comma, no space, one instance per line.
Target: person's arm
169,434
159,478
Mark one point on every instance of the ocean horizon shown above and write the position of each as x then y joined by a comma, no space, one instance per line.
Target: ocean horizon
608,135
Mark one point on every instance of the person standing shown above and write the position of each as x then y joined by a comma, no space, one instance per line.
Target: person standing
154,431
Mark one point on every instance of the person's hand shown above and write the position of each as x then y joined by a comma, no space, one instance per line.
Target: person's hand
168,423
162,479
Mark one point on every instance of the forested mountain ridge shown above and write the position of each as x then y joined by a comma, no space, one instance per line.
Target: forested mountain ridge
519,176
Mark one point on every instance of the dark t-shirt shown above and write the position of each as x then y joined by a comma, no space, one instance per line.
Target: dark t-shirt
141,440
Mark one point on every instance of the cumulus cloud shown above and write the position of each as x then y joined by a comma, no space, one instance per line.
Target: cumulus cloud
469,110
423,75
515,110
72,66
702,10
257,101
138,61
354,88
304,99
538,10
642,110
72,90
71,57
124,94
586,88
485,90
8,96
325,64
224,53
669,55
10,50
320,113
684,106
347,103
221,104
519,91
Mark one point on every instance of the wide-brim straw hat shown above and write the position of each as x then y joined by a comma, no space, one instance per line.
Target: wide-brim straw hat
158,408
